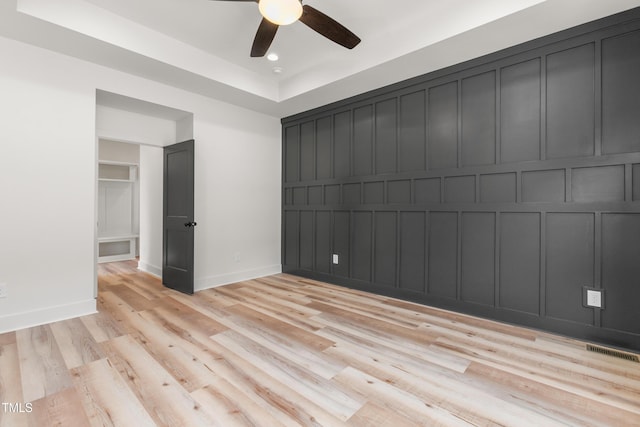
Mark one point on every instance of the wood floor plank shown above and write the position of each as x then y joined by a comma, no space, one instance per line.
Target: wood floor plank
452,391
294,316
628,402
304,382
185,319
395,399
63,408
43,370
374,415
257,319
489,325
107,399
301,350
8,338
169,350
230,407
524,389
101,326
75,342
165,400
133,298
10,385
290,408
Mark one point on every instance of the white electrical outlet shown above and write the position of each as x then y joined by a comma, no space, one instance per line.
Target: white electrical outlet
335,258
594,298
3,290
236,257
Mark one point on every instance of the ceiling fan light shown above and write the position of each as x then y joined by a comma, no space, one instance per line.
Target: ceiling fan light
281,12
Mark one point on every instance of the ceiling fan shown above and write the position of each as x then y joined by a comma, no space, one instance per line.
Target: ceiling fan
285,12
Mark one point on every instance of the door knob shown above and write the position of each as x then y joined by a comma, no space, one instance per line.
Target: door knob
190,224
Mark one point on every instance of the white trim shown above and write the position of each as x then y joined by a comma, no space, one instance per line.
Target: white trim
151,269
29,319
239,276
115,163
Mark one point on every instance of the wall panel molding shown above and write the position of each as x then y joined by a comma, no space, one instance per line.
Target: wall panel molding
499,187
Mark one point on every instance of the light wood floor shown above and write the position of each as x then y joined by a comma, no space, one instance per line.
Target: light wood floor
288,351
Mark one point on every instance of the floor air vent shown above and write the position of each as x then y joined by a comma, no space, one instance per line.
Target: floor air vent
613,353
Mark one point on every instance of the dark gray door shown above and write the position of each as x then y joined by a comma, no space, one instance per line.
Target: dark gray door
178,224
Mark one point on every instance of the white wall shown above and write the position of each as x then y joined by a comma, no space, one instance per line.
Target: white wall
151,161
48,174
184,129
120,125
47,187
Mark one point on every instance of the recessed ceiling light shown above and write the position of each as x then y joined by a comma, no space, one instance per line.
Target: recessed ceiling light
277,70
272,56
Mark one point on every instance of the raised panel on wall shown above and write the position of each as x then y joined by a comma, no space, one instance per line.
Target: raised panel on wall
362,246
374,192
332,194
570,243
323,241
314,194
412,251
443,254
386,134
571,102
635,182
427,190
520,108
351,193
543,186
460,189
598,184
479,119
300,196
443,126
323,148
292,153
384,265
621,93
399,191
342,144
291,238
620,271
306,240
478,257
520,262
498,187
307,151
412,131
341,246
363,140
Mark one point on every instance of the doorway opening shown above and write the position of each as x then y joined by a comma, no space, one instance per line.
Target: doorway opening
131,135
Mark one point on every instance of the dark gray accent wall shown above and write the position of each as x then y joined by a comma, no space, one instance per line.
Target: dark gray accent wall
499,187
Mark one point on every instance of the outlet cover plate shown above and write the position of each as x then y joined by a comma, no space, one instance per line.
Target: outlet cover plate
335,259
3,290
592,297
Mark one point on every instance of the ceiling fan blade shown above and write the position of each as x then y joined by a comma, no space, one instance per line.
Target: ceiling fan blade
264,36
328,27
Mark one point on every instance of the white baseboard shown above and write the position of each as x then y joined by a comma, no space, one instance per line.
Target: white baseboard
239,276
149,268
28,319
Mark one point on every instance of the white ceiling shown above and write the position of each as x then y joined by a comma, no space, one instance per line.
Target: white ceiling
203,45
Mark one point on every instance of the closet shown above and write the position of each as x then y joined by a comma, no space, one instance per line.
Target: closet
118,201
